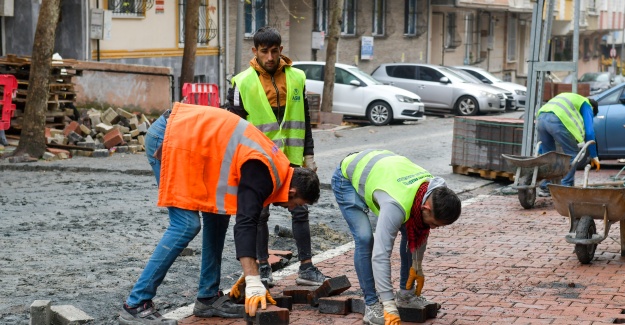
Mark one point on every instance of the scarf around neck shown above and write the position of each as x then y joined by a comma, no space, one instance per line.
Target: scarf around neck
417,231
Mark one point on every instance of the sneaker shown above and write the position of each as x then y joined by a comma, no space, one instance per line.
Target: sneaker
144,314
374,314
310,277
265,275
219,306
407,298
543,193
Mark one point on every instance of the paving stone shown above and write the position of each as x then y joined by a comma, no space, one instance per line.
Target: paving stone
109,117
330,287
357,305
40,313
100,153
285,254
122,112
284,302
71,127
273,315
112,138
337,305
299,293
103,128
412,314
69,315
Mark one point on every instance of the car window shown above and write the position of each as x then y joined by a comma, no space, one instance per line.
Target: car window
364,77
611,98
429,74
477,75
402,71
313,71
343,77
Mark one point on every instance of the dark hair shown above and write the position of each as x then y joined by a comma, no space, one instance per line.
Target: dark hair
447,206
306,181
267,36
595,106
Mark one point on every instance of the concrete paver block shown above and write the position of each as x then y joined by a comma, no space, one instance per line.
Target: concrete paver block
273,315
337,305
330,287
299,293
284,302
69,315
357,305
40,313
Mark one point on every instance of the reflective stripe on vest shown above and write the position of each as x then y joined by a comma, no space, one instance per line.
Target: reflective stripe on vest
238,138
372,170
289,136
568,112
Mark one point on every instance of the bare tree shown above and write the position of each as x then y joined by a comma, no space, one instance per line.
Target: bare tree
32,138
191,21
336,20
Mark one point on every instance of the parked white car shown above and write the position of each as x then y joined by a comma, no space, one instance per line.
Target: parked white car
356,93
519,92
441,89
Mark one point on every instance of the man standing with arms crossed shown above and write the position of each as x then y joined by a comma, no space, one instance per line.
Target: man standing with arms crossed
271,95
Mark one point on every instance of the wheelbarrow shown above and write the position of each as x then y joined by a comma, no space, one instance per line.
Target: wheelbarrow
582,205
530,171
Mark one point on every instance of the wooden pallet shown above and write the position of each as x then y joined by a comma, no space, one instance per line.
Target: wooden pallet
483,173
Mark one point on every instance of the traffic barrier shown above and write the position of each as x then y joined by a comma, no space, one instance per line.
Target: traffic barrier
201,94
9,84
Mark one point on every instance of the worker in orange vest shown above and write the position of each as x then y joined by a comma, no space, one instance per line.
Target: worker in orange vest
216,163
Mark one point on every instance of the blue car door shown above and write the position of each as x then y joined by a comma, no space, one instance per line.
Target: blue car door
614,133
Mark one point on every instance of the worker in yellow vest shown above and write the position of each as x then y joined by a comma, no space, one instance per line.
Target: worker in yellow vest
212,165
406,198
271,94
567,119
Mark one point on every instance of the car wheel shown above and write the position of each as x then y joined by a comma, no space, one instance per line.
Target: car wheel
379,113
467,106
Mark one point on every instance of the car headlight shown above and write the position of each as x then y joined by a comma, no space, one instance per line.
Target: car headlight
488,95
520,92
406,99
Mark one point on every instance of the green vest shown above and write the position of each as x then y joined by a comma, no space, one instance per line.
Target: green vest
289,135
567,106
372,170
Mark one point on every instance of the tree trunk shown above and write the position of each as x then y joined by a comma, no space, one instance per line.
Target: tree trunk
336,20
191,18
32,138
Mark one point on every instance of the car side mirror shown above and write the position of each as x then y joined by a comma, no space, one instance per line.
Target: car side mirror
444,80
622,100
355,83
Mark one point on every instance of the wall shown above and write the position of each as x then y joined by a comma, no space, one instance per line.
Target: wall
20,29
300,29
135,88
71,32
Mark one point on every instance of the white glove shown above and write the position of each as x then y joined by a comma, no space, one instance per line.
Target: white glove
255,292
309,162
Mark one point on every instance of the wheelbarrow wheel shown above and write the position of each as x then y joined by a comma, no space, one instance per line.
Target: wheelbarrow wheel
527,198
585,229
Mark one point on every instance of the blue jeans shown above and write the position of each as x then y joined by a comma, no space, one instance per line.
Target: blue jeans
355,210
184,225
551,131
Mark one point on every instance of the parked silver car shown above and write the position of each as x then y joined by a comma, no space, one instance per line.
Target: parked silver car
441,89
518,91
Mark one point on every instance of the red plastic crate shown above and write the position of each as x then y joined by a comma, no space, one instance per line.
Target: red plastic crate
9,84
201,94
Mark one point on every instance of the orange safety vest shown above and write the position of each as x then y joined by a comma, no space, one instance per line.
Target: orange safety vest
203,151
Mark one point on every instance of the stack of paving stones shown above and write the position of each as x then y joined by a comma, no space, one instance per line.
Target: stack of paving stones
98,134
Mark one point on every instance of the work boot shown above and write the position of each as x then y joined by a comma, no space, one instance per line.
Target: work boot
144,314
219,305
542,192
266,276
310,276
374,314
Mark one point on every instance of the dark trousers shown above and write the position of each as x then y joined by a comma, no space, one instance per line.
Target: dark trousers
301,233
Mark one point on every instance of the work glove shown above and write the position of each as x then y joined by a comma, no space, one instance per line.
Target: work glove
594,162
391,314
309,162
234,292
412,276
255,292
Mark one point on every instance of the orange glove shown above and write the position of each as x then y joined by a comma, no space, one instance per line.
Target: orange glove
391,314
594,163
412,276
234,292
255,292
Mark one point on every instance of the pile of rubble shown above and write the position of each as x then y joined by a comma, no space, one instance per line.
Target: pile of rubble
98,134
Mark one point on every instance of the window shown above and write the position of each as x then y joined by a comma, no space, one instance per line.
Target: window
255,16
343,77
321,23
429,74
312,72
127,8
512,37
452,39
586,49
379,7
348,27
410,17
402,71
207,30
596,47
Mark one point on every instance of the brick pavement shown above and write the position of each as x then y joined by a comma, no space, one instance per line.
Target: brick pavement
500,264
